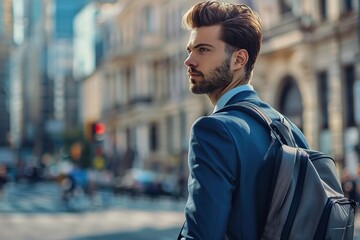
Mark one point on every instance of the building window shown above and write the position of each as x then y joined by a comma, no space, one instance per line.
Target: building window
183,130
349,77
291,102
149,16
323,9
156,80
348,5
130,152
128,86
323,93
170,134
168,75
153,137
285,6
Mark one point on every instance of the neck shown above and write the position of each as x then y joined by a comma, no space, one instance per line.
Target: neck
216,95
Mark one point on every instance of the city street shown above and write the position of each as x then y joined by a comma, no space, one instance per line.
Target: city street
35,212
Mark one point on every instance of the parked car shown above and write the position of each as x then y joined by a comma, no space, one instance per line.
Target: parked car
142,182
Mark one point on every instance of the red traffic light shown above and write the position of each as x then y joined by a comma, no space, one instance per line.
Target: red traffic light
99,128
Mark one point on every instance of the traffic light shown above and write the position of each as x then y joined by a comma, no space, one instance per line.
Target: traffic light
98,131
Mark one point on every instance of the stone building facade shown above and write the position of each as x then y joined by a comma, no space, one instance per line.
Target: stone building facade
309,66
307,69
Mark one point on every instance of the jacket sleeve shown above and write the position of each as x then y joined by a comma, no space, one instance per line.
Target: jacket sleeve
212,167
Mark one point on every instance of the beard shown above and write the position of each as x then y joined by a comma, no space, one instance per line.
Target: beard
219,77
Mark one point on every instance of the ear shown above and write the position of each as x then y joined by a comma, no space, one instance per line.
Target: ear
241,58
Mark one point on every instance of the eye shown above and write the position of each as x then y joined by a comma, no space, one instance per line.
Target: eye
202,49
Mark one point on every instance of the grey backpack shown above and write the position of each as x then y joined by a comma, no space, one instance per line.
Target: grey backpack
307,199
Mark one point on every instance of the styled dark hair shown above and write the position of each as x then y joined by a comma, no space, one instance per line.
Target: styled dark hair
240,26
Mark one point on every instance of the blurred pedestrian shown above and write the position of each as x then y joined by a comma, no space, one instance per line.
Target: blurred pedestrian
228,193
3,179
74,181
356,184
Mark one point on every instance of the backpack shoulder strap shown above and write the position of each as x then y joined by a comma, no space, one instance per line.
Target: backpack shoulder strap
251,109
280,128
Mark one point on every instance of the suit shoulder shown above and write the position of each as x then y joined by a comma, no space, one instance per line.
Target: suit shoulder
221,121
206,120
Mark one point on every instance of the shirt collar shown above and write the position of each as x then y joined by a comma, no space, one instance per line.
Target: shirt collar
229,94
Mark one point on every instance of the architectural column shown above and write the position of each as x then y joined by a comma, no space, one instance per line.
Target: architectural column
335,103
311,113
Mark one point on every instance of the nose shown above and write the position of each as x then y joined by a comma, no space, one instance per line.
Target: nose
189,61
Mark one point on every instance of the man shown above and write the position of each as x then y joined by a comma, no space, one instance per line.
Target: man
228,182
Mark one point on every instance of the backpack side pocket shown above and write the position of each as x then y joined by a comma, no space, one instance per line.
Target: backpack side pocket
337,220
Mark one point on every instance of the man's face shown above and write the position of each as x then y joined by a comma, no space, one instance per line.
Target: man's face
207,62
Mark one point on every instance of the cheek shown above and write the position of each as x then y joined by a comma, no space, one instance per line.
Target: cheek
211,65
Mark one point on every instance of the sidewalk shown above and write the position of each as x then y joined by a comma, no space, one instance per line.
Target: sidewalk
357,226
116,223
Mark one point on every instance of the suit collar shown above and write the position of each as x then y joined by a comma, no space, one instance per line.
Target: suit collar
248,95
229,94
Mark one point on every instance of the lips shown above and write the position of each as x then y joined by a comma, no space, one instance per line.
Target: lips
194,73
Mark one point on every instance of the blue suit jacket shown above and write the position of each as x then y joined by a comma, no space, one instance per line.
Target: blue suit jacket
228,182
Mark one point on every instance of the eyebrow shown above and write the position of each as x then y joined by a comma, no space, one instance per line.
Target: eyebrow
201,45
